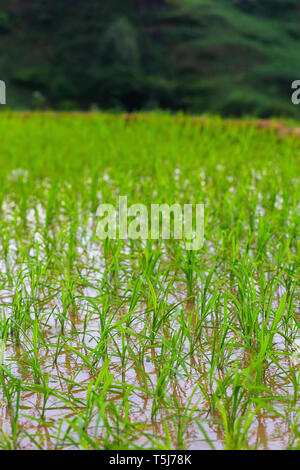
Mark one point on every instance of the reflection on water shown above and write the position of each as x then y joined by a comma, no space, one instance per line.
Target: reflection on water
164,365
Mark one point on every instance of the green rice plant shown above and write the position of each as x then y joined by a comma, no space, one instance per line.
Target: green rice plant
132,344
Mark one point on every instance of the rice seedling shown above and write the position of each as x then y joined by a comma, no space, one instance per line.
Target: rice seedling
143,344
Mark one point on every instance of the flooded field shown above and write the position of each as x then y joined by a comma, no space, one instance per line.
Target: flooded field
133,344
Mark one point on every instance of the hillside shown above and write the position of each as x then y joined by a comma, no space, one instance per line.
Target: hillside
233,57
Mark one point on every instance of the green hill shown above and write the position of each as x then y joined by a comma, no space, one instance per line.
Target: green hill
232,57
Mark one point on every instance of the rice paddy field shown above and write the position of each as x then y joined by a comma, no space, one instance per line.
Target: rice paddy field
132,344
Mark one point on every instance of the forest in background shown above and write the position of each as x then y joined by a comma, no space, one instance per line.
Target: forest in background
228,57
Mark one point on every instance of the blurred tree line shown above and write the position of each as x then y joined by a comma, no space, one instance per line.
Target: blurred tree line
233,57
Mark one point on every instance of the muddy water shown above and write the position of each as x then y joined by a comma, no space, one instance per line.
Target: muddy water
268,431
190,424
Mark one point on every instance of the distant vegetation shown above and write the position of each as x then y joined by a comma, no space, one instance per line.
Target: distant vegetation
229,57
